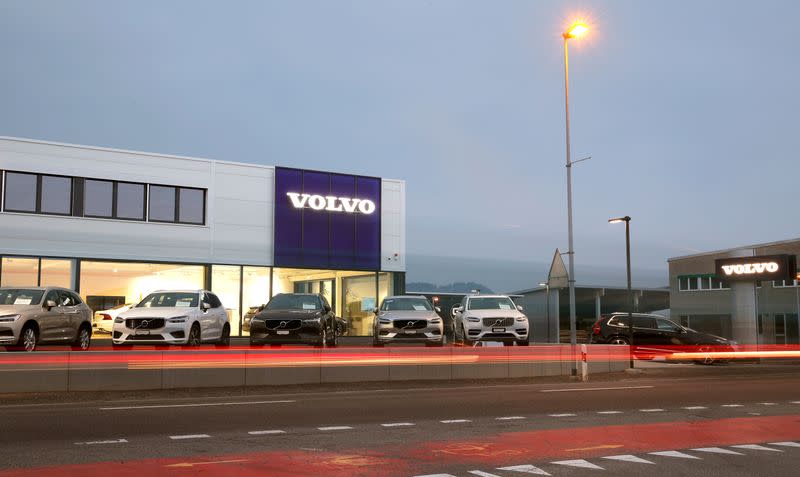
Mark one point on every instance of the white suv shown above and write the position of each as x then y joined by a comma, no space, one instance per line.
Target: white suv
489,318
174,317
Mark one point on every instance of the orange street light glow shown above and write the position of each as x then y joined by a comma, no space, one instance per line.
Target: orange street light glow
577,30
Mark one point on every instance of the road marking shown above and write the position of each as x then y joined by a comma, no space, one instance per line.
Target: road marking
756,447
263,433
609,412
562,415
162,406
454,421
651,410
510,418
192,464
569,390
189,436
398,424
674,454
694,408
91,443
785,444
769,404
334,428
795,402
583,464
436,475
629,458
525,469
481,473
717,450
732,405
604,446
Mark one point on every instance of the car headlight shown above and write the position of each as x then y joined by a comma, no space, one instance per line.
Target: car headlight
436,321
312,321
473,319
9,318
119,319
384,321
178,319
521,318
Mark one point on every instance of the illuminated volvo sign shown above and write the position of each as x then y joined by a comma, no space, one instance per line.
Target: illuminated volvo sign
331,203
765,267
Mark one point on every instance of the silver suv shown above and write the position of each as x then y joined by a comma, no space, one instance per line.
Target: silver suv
30,316
407,319
489,318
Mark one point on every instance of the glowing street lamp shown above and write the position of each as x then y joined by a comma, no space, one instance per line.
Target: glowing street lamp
577,30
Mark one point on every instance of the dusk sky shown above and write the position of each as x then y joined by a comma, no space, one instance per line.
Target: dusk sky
689,109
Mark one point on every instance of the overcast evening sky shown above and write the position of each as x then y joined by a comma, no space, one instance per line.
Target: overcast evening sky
689,109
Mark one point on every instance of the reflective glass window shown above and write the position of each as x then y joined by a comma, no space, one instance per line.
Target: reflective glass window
162,203
56,195
20,192
191,206
130,201
98,198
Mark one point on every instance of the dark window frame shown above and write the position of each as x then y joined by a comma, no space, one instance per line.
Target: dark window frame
115,200
174,203
40,190
36,192
178,190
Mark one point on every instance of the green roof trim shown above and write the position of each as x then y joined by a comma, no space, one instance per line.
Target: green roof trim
699,275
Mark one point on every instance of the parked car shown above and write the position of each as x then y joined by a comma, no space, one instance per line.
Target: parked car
490,318
407,319
188,317
51,315
248,317
103,321
654,335
295,318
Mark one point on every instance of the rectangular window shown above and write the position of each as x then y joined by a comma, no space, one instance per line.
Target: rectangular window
717,284
705,283
683,283
130,201
693,283
98,198
56,195
191,206
20,193
162,204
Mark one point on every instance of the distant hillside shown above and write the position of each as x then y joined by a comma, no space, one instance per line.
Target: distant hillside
455,287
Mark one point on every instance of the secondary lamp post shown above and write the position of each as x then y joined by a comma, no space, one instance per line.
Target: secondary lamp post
627,221
547,287
576,30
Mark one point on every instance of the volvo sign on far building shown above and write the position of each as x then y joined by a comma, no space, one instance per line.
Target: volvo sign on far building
764,267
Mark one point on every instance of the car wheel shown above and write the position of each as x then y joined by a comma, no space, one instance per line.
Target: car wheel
618,340
84,339
29,339
335,338
194,336
706,360
225,338
323,338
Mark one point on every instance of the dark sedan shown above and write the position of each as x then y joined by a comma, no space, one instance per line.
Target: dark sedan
655,335
295,318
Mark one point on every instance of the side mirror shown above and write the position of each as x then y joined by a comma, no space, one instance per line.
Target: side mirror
50,304
205,306
519,307
437,309
327,308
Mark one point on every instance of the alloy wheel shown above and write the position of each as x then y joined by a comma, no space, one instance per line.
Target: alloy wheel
324,337
194,336
29,339
84,339
619,341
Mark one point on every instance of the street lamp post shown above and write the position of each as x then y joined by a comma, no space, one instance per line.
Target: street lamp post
577,30
627,221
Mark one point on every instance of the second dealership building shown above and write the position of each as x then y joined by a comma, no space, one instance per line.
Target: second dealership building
116,225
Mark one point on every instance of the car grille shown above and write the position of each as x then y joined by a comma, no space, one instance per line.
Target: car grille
287,324
144,323
145,338
498,321
411,324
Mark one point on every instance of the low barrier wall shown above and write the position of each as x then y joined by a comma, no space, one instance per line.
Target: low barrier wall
193,368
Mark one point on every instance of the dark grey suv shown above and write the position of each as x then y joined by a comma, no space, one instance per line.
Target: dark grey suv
52,315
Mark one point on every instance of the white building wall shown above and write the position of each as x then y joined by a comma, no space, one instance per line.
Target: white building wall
393,225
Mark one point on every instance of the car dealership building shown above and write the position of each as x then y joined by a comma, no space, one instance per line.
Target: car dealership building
748,293
116,225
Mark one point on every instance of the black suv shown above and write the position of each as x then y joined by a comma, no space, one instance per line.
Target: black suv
295,318
654,334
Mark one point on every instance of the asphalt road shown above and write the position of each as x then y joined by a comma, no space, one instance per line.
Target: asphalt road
692,418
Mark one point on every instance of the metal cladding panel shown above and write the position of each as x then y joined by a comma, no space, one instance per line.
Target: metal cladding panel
315,229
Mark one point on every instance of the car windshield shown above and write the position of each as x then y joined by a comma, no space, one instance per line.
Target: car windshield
20,296
406,304
170,300
294,302
491,303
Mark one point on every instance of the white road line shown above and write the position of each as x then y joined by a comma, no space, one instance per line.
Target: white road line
680,455
481,473
583,464
525,469
629,458
717,450
651,410
509,418
794,402
569,390
562,415
609,412
189,436
756,447
732,405
161,406
769,404
694,408
335,428
268,432
436,475
398,424
785,444
91,443
454,421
